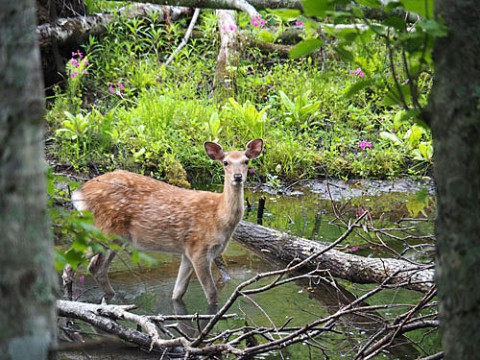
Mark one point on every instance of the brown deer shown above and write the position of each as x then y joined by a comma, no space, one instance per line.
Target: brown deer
156,216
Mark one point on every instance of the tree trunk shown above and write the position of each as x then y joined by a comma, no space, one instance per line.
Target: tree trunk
228,56
455,122
27,312
283,248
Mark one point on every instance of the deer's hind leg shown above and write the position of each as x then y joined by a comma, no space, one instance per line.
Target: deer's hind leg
183,278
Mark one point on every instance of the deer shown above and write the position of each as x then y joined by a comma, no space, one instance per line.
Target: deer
156,216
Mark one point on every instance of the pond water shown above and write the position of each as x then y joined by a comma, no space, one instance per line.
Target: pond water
313,211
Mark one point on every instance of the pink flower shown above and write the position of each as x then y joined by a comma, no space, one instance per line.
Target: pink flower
365,144
358,72
353,248
299,23
117,89
232,27
84,72
257,21
85,62
77,54
251,171
73,74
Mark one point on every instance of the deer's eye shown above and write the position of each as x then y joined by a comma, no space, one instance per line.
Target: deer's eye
246,162
225,163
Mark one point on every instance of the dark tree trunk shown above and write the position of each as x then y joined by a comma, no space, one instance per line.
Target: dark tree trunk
27,275
455,122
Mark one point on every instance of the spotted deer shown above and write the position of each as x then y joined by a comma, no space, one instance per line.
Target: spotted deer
156,216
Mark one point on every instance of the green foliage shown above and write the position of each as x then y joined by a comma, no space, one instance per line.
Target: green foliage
130,112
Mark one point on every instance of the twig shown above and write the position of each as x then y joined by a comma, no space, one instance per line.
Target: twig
185,38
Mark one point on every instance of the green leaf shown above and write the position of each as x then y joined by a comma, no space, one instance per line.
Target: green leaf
305,47
266,36
391,137
345,54
424,8
371,3
317,7
286,14
357,87
394,97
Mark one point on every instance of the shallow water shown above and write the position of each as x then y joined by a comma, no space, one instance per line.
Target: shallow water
305,212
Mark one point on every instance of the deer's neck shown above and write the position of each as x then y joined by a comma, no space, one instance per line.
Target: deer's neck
232,204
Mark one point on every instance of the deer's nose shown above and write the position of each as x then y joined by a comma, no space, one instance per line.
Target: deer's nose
237,177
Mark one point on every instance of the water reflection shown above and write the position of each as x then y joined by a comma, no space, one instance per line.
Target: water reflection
306,215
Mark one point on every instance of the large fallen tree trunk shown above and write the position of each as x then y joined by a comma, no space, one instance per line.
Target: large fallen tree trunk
64,30
284,249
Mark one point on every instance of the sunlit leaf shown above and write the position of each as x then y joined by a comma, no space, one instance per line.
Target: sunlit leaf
391,137
286,14
305,47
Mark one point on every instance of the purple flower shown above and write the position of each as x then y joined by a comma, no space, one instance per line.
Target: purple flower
84,72
85,62
251,171
365,144
232,27
111,89
73,74
120,85
299,23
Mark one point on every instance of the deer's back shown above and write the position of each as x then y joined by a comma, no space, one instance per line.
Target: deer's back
151,213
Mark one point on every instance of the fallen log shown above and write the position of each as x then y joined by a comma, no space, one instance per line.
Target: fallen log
63,30
285,249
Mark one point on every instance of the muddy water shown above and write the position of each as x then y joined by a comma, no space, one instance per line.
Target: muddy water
310,211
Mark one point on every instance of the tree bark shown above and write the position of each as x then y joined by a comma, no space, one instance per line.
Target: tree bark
283,248
228,56
64,30
27,281
455,114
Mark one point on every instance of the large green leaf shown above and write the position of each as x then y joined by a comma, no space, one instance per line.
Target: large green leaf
424,8
286,14
305,47
317,7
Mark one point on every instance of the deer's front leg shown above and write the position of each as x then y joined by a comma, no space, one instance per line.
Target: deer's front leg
202,265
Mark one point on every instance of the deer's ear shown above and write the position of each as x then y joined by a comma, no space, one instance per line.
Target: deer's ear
254,148
214,151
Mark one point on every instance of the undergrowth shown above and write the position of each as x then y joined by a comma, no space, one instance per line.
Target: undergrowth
125,109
